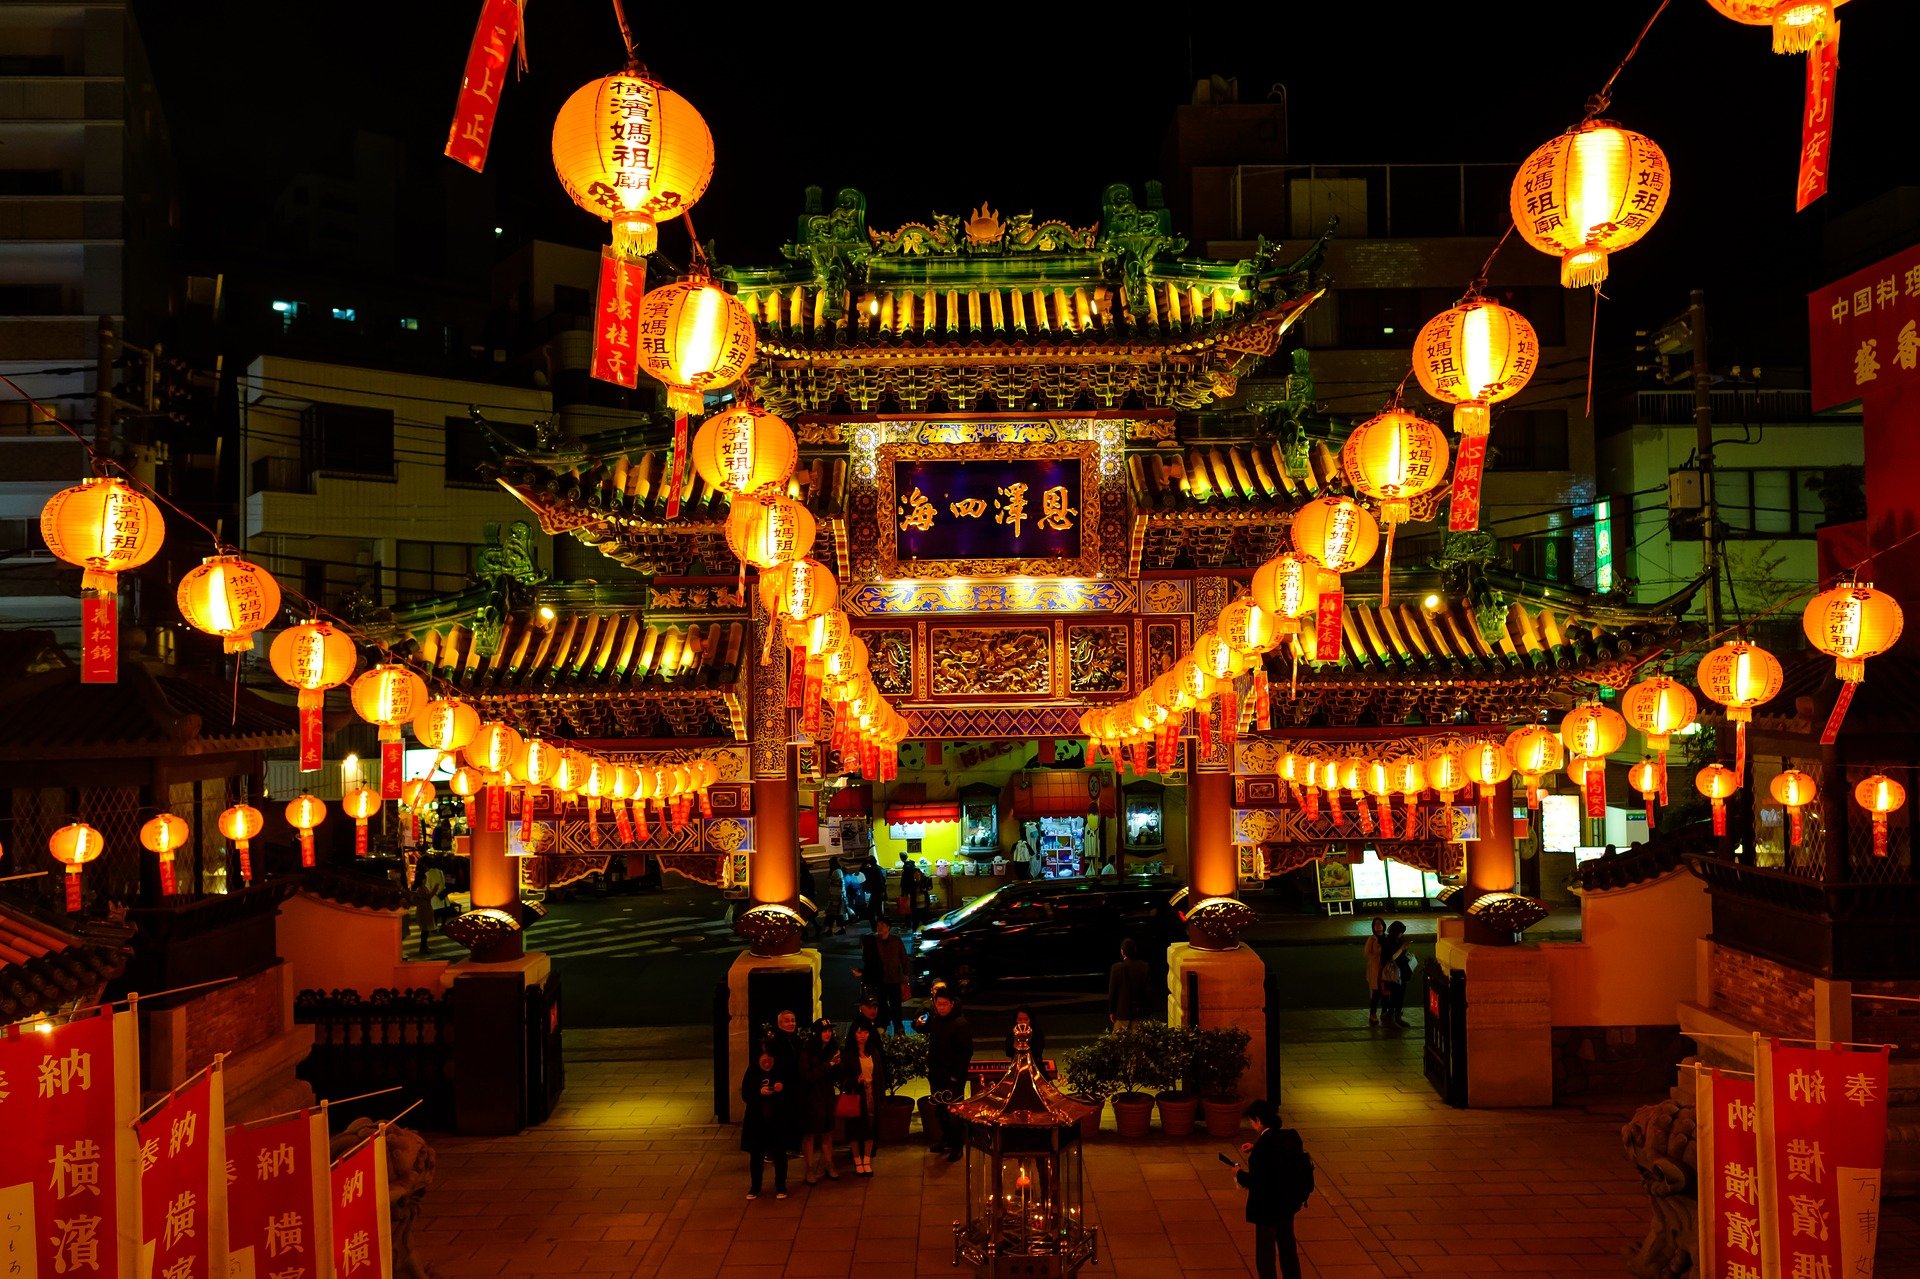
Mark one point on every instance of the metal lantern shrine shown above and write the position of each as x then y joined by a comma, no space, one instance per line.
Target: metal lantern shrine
106,527
1793,790
312,657
239,825
1659,707
446,725
1879,795
360,803
1394,458
1739,676
1798,25
1472,357
229,597
744,450
634,152
769,531
1850,623
303,814
1535,751
73,846
1025,1185
390,696
1717,782
1590,192
1647,778
695,338
163,835
1594,732
1339,535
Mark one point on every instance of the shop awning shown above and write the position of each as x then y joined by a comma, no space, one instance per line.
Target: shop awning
1054,793
921,814
848,801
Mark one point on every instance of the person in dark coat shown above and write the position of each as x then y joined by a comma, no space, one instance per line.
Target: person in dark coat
883,971
866,1074
1036,1039
949,1053
876,887
1276,1190
819,1065
766,1130
1127,983
783,1041
1396,965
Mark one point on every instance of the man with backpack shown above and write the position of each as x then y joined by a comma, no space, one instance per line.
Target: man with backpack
1278,1178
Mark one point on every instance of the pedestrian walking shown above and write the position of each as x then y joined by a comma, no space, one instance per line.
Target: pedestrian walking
915,886
833,904
814,1104
1374,962
1396,966
1127,988
1278,1179
883,971
865,1077
853,890
766,1130
949,1053
875,888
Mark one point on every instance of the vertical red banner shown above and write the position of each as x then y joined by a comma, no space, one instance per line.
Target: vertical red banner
69,1189
183,1181
676,476
1326,642
277,1219
1831,733
1728,1156
99,638
306,847
1816,123
1823,1141
359,839
496,809
1469,469
486,75
1594,784
312,735
614,330
362,1230
392,764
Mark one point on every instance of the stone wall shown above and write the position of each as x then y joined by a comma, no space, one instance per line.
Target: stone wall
234,1017
1761,992
1890,1021
1615,1061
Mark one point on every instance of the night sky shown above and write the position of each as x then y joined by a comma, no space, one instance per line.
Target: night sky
1039,106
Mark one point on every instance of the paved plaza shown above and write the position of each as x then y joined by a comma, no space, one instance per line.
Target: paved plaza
632,1178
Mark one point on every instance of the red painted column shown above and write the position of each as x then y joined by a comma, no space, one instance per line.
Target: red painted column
1490,862
1213,867
496,877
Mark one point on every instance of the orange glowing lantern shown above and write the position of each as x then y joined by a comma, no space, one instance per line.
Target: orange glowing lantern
1488,764
596,784
1588,193
493,750
360,803
767,531
162,835
1394,458
705,341
390,696
106,527
1339,536
467,782
73,846
744,450
1377,779
1798,25
416,797
534,767
631,151
1739,676
1219,659
1647,777
1659,707
239,825
1594,732
1794,790
1850,623
446,725
1251,631
1285,585
1717,782
1878,794
1535,751
1472,357
312,657
1446,766
303,814
229,597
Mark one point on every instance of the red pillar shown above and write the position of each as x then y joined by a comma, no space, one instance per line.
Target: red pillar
1213,867
496,883
773,876
1490,862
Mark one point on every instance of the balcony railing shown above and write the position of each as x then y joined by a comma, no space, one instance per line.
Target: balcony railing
1730,407
281,475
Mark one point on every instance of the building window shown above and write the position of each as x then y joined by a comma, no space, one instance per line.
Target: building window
1546,556
1528,440
410,324
1760,503
424,569
347,313
348,439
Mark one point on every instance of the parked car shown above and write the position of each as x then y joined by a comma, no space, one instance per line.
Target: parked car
1046,928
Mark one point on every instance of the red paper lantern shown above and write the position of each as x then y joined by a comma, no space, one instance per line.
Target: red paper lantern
229,597
162,835
1647,777
1794,790
1588,193
1850,623
240,824
73,846
1717,782
390,695
1798,25
1739,676
360,803
303,814
106,527
312,657
1880,795
1535,751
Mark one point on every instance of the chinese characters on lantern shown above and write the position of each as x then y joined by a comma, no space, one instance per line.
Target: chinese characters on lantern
486,75
1822,1145
958,510
183,1188
277,1209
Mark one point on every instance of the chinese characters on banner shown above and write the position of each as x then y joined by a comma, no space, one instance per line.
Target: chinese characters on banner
183,1183
1469,474
1729,1177
99,637
1865,332
1823,1137
1816,124
277,1206
621,285
362,1233
959,510
486,76
68,1195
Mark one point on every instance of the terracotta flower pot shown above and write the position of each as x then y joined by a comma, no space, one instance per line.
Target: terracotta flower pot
1223,1117
1177,1113
895,1120
1133,1114
1090,1126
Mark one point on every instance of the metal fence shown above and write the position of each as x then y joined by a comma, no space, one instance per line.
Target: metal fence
391,1038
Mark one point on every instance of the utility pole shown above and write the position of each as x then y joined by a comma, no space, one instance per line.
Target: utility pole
1703,445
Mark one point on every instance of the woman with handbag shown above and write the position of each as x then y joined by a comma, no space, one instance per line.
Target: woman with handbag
819,1064
864,1078
1396,965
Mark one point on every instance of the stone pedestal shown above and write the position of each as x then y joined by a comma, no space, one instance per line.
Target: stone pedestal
1509,1022
1213,988
743,1017
490,1057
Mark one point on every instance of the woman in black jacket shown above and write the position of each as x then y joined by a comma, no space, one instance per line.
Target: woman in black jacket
819,1064
866,1075
767,1128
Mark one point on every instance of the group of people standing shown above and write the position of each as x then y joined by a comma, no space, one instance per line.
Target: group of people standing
1389,971
800,1086
856,891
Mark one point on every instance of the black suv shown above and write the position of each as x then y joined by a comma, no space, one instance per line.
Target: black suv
1047,928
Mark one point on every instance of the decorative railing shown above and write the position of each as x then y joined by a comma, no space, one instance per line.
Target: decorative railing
391,1038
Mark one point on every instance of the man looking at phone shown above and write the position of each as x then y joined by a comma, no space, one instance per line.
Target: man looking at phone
1278,1178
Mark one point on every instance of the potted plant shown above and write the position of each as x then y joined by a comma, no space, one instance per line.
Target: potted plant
1218,1060
1091,1075
906,1061
1180,1105
1138,1066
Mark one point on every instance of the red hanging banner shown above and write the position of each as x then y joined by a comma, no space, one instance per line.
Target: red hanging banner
167,882
621,823
1816,122
69,1192
1469,468
1728,1156
359,839
362,1229
480,86
496,809
99,638
676,476
393,756
1822,1149
277,1219
306,846
1594,784
1326,644
183,1181
621,285
312,731
1831,733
